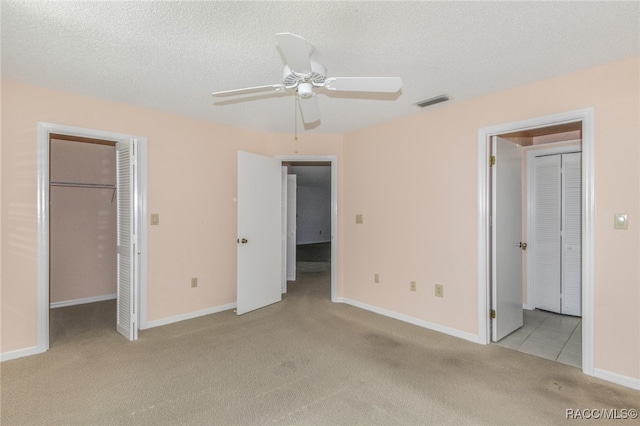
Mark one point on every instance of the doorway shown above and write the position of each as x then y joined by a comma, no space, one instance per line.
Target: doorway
329,245
309,225
130,193
82,236
584,120
262,240
548,162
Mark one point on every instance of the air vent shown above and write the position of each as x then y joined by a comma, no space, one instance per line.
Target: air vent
431,101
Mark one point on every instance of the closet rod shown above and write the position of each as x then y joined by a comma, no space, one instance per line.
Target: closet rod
84,185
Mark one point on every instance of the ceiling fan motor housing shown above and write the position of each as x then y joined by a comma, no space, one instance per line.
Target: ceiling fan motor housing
318,74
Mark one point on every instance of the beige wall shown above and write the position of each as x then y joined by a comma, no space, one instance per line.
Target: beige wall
413,179
415,182
191,185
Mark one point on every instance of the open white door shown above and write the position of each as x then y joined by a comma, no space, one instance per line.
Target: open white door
506,275
127,238
259,232
292,190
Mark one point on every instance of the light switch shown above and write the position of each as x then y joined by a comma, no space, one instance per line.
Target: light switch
359,219
155,219
620,221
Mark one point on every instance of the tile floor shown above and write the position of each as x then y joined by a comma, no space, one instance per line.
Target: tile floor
548,335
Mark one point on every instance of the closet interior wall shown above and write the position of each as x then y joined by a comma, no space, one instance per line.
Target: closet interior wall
82,221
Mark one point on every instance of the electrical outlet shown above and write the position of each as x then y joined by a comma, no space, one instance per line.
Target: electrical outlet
194,282
439,290
412,285
359,219
376,278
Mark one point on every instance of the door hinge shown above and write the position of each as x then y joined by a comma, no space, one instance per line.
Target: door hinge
492,314
492,160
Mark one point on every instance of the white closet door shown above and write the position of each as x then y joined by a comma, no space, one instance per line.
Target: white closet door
546,244
283,226
126,238
572,234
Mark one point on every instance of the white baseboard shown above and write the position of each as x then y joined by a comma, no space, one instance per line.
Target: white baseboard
183,317
82,301
19,353
616,378
528,307
411,320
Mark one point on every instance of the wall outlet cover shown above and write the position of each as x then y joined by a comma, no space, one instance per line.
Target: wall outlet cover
620,221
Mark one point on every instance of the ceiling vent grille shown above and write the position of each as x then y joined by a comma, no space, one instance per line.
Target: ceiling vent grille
432,101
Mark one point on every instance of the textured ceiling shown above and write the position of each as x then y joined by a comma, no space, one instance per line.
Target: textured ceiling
170,56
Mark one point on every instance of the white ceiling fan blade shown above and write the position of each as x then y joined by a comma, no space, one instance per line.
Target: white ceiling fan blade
364,84
295,51
310,109
249,90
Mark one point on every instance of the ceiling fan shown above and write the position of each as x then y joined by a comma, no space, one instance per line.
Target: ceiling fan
303,74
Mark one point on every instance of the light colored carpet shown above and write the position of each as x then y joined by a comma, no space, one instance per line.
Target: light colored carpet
302,361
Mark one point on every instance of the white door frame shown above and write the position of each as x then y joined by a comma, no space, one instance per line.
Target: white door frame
550,149
44,132
588,214
334,209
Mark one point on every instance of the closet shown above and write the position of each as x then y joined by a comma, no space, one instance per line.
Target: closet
82,221
557,239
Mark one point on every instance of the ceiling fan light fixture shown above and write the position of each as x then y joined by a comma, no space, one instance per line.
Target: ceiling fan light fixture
432,101
305,90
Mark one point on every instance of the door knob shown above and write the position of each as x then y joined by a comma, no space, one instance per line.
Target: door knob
523,246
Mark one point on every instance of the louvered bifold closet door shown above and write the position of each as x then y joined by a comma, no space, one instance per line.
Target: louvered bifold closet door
571,234
126,239
546,244
283,235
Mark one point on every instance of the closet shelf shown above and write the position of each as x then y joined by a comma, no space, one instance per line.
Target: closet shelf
83,185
